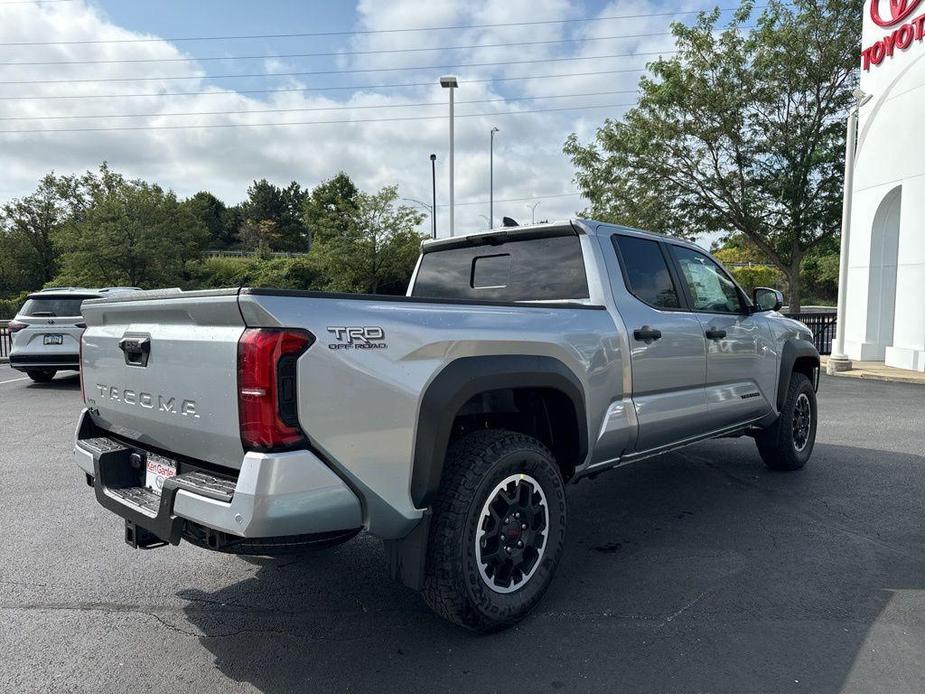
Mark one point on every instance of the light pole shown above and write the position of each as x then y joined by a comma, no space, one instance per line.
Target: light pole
487,221
433,181
491,178
450,82
431,211
838,360
533,211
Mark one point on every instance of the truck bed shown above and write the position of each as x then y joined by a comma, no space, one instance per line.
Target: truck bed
360,384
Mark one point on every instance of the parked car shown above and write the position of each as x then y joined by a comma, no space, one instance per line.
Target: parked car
46,331
447,422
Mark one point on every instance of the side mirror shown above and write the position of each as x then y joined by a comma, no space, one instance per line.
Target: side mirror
767,299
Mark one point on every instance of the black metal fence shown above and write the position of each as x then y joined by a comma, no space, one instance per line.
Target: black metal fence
822,326
5,340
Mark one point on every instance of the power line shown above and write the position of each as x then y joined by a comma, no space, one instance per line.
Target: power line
538,197
322,122
367,32
402,85
267,56
314,108
336,72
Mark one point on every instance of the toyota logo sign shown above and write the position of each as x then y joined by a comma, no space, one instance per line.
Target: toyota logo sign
899,10
907,32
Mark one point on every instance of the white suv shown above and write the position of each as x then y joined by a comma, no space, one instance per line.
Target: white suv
46,331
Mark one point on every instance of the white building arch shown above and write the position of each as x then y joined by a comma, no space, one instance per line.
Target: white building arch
885,307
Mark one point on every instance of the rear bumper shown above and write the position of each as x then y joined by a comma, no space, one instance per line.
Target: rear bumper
275,495
23,361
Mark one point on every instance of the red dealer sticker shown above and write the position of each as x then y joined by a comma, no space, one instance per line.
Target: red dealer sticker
900,38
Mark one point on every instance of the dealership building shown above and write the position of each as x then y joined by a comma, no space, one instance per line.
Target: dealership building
885,301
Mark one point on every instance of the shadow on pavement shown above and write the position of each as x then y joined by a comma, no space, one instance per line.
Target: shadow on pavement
696,571
70,381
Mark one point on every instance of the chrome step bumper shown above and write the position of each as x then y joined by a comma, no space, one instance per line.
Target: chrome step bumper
275,494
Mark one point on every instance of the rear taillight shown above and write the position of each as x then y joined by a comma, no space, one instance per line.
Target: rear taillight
80,363
267,405
14,326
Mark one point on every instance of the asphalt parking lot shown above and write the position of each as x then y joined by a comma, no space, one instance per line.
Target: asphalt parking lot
698,571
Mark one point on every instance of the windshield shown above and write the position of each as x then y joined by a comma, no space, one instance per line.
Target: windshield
52,306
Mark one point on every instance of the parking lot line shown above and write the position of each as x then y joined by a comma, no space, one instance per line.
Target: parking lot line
13,380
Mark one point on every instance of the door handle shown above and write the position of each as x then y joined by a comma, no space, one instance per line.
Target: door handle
647,334
715,334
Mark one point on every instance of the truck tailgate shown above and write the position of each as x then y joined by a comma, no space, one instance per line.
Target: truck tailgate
160,368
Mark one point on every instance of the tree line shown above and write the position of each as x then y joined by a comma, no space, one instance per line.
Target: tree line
101,228
742,133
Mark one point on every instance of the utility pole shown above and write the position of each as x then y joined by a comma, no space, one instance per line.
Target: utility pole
491,179
450,82
433,179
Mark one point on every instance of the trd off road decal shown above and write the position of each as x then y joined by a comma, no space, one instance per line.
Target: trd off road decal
357,337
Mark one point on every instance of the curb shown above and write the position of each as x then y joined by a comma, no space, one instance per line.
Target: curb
864,375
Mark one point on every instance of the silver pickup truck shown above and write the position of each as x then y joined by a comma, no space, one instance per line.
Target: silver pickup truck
447,422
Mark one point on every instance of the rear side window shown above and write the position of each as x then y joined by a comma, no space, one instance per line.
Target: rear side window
51,306
537,269
646,271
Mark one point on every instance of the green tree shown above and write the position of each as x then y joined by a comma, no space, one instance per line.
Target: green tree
283,208
742,131
133,233
216,217
261,236
374,250
329,204
29,226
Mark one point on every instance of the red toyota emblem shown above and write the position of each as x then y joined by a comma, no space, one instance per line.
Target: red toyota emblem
899,10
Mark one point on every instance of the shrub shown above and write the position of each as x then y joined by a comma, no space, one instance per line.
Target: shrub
10,307
751,276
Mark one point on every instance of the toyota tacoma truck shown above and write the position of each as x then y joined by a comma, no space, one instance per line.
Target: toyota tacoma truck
447,422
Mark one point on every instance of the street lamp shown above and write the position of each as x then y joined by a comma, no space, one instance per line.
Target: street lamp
491,178
533,211
433,182
431,211
450,82
838,360
487,221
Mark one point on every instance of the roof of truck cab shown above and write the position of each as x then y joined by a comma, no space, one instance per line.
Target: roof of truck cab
590,227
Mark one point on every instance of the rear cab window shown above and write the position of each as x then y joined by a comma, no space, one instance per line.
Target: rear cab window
54,306
546,268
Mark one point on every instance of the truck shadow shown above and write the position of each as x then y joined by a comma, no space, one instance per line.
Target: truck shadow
699,571
70,381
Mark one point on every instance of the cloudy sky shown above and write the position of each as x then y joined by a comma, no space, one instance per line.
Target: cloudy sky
82,81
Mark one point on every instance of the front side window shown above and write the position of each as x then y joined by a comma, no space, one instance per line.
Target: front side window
710,287
646,271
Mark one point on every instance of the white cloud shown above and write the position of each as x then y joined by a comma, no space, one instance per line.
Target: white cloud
528,158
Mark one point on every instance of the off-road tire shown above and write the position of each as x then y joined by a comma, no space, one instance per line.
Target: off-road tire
778,443
41,375
475,465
